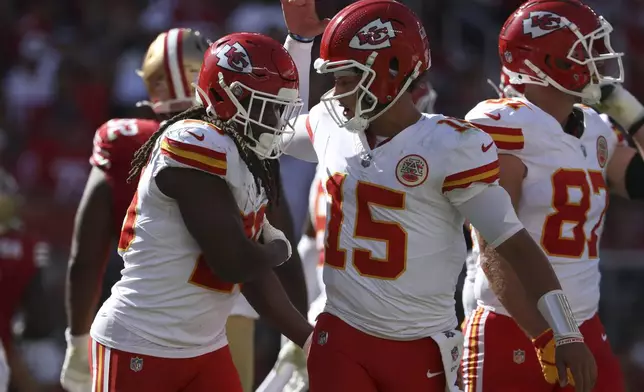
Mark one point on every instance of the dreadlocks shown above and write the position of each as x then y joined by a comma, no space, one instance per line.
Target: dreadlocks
266,172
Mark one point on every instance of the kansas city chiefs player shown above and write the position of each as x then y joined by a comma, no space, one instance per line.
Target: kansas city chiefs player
559,160
290,369
197,231
394,245
170,65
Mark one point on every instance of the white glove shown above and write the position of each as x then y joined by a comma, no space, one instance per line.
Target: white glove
621,105
75,376
272,234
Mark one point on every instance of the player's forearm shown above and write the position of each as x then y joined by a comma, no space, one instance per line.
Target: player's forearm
268,298
84,283
508,289
246,261
530,265
291,273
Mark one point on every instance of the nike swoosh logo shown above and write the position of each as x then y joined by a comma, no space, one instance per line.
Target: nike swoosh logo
495,117
431,375
198,137
484,148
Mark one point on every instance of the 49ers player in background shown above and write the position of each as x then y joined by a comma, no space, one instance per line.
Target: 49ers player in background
559,160
170,65
22,259
394,243
197,231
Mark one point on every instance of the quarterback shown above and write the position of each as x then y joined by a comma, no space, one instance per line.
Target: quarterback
395,209
559,160
196,232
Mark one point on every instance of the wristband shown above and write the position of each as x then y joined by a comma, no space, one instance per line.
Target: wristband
554,307
635,127
299,38
561,342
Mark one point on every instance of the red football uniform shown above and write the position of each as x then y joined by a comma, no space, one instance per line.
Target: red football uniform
20,258
115,143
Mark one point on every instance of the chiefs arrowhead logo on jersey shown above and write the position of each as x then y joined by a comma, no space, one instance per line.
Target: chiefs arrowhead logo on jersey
375,35
235,58
602,151
412,170
540,23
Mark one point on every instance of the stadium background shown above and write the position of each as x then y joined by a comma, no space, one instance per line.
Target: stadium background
66,66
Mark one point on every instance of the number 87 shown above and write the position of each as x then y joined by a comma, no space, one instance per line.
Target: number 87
573,212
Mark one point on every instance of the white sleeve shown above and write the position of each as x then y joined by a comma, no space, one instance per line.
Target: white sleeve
300,145
301,54
491,213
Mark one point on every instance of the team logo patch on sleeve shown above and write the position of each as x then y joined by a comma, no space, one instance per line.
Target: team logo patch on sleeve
412,170
602,151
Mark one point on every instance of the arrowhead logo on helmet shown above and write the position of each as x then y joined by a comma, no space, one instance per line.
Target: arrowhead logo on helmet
235,58
375,35
540,23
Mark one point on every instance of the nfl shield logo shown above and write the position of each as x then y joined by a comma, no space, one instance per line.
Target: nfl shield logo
136,364
323,336
519,356
454,353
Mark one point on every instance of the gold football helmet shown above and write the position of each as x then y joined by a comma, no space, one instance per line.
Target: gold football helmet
170,66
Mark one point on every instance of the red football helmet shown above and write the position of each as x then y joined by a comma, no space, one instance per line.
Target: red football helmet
563,44
385,42
249,78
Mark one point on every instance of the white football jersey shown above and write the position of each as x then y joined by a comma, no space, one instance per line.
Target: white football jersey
564,193
168,294
394,244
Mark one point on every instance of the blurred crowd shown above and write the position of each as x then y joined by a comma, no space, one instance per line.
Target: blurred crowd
67,66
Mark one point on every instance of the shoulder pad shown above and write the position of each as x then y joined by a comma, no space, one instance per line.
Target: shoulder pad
199,145
116,141
504,120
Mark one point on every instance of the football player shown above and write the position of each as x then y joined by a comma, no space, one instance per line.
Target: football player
169,67
197,231
559,160
399,185
289,372
22,260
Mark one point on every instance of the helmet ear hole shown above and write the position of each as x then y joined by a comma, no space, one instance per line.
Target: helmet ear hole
394,67
215,94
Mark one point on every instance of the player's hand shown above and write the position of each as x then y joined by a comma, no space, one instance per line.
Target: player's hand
571,363
621,105
302,19
75,375
270,234
293,354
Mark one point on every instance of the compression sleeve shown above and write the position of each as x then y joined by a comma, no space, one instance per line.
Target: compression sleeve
491,213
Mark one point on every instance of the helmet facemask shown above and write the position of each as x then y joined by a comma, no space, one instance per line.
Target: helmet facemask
593,51
268,120
362,115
